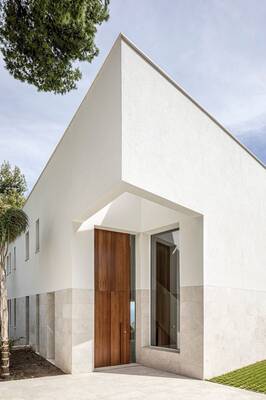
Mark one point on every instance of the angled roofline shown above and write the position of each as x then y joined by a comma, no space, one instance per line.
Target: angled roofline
180,89
121,37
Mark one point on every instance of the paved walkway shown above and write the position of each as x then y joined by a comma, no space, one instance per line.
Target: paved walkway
127,383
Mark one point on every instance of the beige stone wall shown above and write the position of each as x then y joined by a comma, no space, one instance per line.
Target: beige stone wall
47,325
66,327
33,322
18,332
82,330
232,334
46,319
234,329
74,332
50,320
74,327
63,329
189,361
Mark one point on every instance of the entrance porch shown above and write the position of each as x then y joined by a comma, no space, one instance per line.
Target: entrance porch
161,322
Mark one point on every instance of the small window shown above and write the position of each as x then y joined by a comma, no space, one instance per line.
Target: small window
27,246
37,322
9,267
15,313
15,258
27,320
37,236
9,311
8,264
9,316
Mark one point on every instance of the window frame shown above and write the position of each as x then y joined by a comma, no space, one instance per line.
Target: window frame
154,239
8,263
15,313
9,308
27,246
37,235
14,258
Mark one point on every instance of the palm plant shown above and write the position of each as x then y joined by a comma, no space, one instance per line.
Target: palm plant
13,222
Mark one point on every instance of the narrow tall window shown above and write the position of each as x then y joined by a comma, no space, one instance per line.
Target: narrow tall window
27,246
27,320
9,311
15,313
9,316
15,258
37,236
8,264
165,306
37,322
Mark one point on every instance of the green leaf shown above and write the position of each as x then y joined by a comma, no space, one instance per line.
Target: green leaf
13,222
41,39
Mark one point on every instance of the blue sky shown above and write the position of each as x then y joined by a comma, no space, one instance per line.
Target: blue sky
214,49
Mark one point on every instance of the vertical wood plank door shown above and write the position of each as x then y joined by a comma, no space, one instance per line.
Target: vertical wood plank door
112,298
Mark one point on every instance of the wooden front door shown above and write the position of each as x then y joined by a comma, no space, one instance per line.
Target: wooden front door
112,298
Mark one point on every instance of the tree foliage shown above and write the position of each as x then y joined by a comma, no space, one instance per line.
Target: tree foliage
12,187
13,220
41,39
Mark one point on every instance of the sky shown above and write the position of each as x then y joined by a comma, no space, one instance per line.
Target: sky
214,49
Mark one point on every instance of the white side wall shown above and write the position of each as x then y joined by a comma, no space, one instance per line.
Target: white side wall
174,150
84,168
84,171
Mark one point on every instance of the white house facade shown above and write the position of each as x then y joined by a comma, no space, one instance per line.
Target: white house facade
147,235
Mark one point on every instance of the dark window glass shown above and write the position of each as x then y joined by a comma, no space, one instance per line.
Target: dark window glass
27,246
165,305
37,234
27,320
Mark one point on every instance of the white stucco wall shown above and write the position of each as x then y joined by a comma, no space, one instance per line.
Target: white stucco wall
136,132
174,150
84,169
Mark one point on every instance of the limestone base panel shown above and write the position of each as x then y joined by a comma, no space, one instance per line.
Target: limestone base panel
60,327
189,360
221,329
234,329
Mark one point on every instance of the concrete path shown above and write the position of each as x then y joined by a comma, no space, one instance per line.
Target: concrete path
127,383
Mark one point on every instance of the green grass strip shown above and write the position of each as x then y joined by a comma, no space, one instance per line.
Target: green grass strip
252,377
